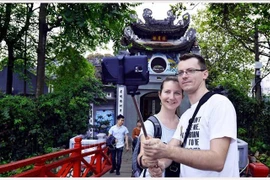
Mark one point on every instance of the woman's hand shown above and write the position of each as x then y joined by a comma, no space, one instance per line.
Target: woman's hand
149,162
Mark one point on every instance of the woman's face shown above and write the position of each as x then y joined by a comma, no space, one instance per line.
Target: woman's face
139,124
171,95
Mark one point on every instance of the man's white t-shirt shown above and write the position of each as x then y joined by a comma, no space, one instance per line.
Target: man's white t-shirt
119,133
215,119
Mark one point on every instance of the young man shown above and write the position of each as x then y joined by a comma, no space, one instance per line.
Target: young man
211,148
120,132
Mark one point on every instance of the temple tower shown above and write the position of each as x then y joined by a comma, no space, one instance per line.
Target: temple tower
163,41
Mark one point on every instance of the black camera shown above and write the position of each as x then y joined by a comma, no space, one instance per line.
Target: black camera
130,71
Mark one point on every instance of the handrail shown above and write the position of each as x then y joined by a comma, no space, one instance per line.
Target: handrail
73,164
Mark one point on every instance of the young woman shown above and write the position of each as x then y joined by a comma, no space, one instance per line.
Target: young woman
170,95
135,134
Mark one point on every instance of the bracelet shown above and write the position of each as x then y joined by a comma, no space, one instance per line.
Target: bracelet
140,163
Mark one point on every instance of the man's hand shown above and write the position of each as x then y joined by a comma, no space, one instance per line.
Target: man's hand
157,170
127,148
155,148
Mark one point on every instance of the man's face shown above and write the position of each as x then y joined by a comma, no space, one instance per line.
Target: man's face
191,78
120,121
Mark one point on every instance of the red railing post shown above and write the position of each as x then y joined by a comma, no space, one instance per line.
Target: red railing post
78,152
99,159
41,165
100,163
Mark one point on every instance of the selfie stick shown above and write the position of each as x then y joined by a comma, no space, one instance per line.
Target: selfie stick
131,90
140,116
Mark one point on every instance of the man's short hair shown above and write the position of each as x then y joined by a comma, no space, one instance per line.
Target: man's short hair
201,60
120,116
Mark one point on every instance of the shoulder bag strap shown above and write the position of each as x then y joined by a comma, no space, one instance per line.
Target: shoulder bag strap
205,97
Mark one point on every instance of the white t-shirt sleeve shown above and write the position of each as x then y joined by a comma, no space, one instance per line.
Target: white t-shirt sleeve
149,128
223,120
111,130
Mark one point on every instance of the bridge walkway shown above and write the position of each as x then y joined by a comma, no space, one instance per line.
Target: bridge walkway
125,170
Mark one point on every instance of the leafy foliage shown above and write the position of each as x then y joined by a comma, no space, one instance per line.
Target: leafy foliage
34,125
70,68
226,63
80,26
13,27
239,21
68,109
17,117
86,26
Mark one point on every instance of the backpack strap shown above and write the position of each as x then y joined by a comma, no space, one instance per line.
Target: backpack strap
205,97
157,132
157,126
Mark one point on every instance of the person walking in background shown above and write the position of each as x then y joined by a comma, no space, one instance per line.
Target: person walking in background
135,134
120,132
170,95
211,148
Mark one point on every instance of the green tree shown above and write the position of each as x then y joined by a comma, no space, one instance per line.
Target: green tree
41,50
14,22
71,68
239,20
82,27
226,62
18,120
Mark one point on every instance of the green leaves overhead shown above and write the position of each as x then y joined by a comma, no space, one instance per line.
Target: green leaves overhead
93,24
227,59
71,69
81,26
239,20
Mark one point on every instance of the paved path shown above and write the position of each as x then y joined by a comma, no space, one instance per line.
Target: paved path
125,170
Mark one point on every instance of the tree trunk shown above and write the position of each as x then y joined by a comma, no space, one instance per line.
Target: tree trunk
10,69
25,58
3,34
43,29
11,41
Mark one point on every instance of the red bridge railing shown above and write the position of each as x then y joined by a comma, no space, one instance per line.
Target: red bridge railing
70,163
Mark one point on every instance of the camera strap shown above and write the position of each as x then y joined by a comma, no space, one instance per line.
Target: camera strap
205,97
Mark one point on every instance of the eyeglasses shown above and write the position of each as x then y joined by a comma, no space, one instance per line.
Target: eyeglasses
188,72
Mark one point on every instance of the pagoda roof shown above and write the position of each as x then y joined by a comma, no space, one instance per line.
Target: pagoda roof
161,27
181,44
162,48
